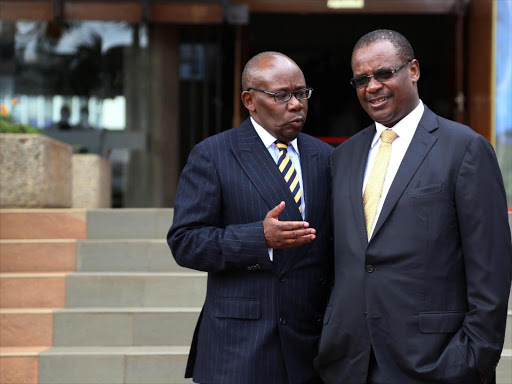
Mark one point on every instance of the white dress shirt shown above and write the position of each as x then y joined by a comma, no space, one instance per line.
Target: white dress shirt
293,151
405,130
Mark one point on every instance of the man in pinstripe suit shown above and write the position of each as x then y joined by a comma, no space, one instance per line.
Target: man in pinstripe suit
265,242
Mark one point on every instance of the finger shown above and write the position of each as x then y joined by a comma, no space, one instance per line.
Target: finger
298,233
293,225
298,241
276,211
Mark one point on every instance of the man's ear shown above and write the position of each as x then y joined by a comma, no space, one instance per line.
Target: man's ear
414,69
248,101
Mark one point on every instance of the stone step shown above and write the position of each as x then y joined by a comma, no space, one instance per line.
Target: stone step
37,255
136,289
113,365
504,369
146,255
43,224
22,327
32,290
97,326
20,365
124,326
128,223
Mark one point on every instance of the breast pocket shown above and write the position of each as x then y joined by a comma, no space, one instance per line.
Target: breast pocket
237,308
426,190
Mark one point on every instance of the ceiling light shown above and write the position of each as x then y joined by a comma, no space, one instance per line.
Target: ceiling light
339,4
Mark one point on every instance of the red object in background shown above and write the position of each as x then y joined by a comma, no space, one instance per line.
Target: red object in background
333,140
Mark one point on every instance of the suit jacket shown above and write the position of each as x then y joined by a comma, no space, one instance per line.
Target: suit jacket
261,320
429,292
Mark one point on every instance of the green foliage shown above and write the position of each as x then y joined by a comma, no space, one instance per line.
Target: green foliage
7,125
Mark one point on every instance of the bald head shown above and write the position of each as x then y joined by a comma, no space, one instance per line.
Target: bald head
253,71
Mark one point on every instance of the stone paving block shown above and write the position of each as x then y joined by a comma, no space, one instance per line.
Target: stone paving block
504,369
187,289
37,255
26,327
145,255
19,369
164,328
112,256
156,369
32,290
43,224
92,329
508,331
104,290
80,368
128,223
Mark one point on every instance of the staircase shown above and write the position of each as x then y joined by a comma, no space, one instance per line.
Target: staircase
94,296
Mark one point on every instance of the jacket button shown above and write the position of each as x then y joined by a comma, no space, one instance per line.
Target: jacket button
282,279
282,320
370,268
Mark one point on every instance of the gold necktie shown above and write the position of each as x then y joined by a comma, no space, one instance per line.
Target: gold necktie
373,190
290,175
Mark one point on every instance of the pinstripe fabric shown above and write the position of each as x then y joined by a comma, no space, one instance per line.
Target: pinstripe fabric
229,184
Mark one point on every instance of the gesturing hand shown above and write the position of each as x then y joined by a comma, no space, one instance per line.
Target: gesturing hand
285,234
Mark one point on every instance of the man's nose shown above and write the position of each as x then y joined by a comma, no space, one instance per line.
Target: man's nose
294,103
373,85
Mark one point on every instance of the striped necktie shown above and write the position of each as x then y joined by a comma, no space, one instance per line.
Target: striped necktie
373,190
290,175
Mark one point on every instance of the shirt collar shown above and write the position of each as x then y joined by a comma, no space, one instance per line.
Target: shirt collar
405,128
268,139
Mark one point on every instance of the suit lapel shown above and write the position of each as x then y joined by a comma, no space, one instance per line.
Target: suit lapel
260,168
357,178
420,146
309,165
309,168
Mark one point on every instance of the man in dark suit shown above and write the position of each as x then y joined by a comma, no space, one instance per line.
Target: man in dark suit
421,238
239,215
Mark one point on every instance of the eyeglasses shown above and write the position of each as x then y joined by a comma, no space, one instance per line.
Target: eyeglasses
284,96
382,75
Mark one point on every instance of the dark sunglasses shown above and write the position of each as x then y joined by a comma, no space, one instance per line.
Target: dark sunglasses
382,75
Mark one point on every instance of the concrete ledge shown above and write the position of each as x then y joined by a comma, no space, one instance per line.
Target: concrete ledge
35,171
92,185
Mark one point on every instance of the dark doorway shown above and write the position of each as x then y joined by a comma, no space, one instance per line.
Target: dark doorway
322,46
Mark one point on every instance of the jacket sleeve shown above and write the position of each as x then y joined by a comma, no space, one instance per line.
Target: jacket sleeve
485,239
198,237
